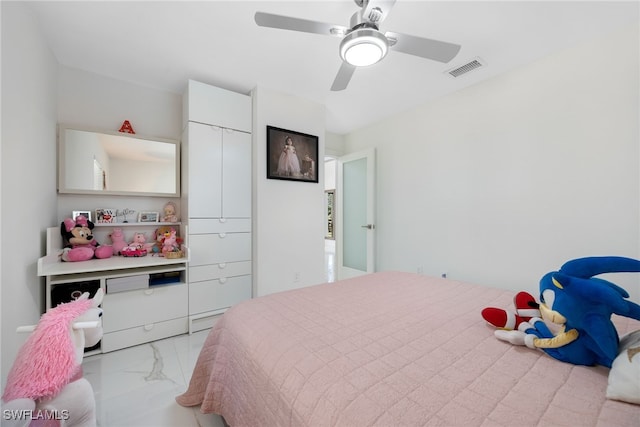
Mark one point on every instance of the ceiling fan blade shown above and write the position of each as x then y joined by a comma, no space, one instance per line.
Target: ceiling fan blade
344,76
270,20
425,48
377,10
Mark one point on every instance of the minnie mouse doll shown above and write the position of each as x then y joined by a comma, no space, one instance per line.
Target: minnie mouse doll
80,244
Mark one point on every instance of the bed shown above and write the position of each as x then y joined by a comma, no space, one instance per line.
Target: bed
390,349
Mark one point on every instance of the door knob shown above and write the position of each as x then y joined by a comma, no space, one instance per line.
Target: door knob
368,226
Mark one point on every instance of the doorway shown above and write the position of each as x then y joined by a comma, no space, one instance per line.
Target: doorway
329,202
355,219
350,210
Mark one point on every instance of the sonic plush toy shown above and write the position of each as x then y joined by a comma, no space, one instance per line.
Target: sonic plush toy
576,311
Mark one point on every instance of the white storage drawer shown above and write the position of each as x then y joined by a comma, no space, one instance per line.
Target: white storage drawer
219,225
202,322
127,283
216,106
219,248
142,334
129,309
217,271
217,294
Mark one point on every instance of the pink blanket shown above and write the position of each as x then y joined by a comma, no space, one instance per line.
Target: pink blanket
390,349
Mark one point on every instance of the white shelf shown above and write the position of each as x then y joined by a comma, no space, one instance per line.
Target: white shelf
159,310
51,265
135,224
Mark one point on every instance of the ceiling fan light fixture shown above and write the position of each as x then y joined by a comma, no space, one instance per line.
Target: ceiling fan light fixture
363,47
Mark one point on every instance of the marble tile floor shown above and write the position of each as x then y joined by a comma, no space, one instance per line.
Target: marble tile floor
137,386
330,260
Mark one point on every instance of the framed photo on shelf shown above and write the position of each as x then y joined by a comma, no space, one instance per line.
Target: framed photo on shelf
105,216
86,214
148,217
291,155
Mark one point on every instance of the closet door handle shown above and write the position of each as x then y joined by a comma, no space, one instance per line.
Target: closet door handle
222,265
223,280
222,235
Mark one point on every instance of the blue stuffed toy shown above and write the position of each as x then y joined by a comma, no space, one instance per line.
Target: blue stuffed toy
576,311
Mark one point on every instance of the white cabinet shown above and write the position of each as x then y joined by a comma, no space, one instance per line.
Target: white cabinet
219,175
204,103
150,301
216,197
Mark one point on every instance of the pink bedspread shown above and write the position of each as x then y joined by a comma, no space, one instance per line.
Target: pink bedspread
390,349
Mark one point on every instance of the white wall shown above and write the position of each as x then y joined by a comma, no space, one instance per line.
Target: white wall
330,174
90,100
506,180
288,216
334,145
28,174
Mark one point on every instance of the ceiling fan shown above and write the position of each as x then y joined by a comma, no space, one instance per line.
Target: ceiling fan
363,43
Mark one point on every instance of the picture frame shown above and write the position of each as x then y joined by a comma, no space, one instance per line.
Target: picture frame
85,213
148,217
291,155
105,216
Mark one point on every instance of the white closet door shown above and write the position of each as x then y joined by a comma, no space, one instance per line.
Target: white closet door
205,171
236,174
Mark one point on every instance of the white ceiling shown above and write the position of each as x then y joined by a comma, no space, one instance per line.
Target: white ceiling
162,44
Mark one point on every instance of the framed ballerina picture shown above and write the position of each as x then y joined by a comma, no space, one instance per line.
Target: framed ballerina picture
291,155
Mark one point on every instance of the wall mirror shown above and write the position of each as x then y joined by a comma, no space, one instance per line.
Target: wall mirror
115,163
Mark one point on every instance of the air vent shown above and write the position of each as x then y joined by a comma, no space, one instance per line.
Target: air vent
474,64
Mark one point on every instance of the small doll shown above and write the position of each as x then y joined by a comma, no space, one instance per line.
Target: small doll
170,212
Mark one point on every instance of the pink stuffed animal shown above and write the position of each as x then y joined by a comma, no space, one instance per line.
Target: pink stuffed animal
140,242
79,242
117,240
46,380
170,242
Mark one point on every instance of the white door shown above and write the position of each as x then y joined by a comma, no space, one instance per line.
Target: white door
355,210
205,170
236,174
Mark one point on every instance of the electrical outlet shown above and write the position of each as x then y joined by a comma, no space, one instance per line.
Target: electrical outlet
296,276
420,270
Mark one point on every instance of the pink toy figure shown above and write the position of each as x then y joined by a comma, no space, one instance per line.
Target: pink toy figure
170,241
140,242
117,239
46,377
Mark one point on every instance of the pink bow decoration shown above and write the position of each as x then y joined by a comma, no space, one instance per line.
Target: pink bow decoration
70,223
82,220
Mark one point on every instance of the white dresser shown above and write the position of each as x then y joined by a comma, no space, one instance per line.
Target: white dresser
146,298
